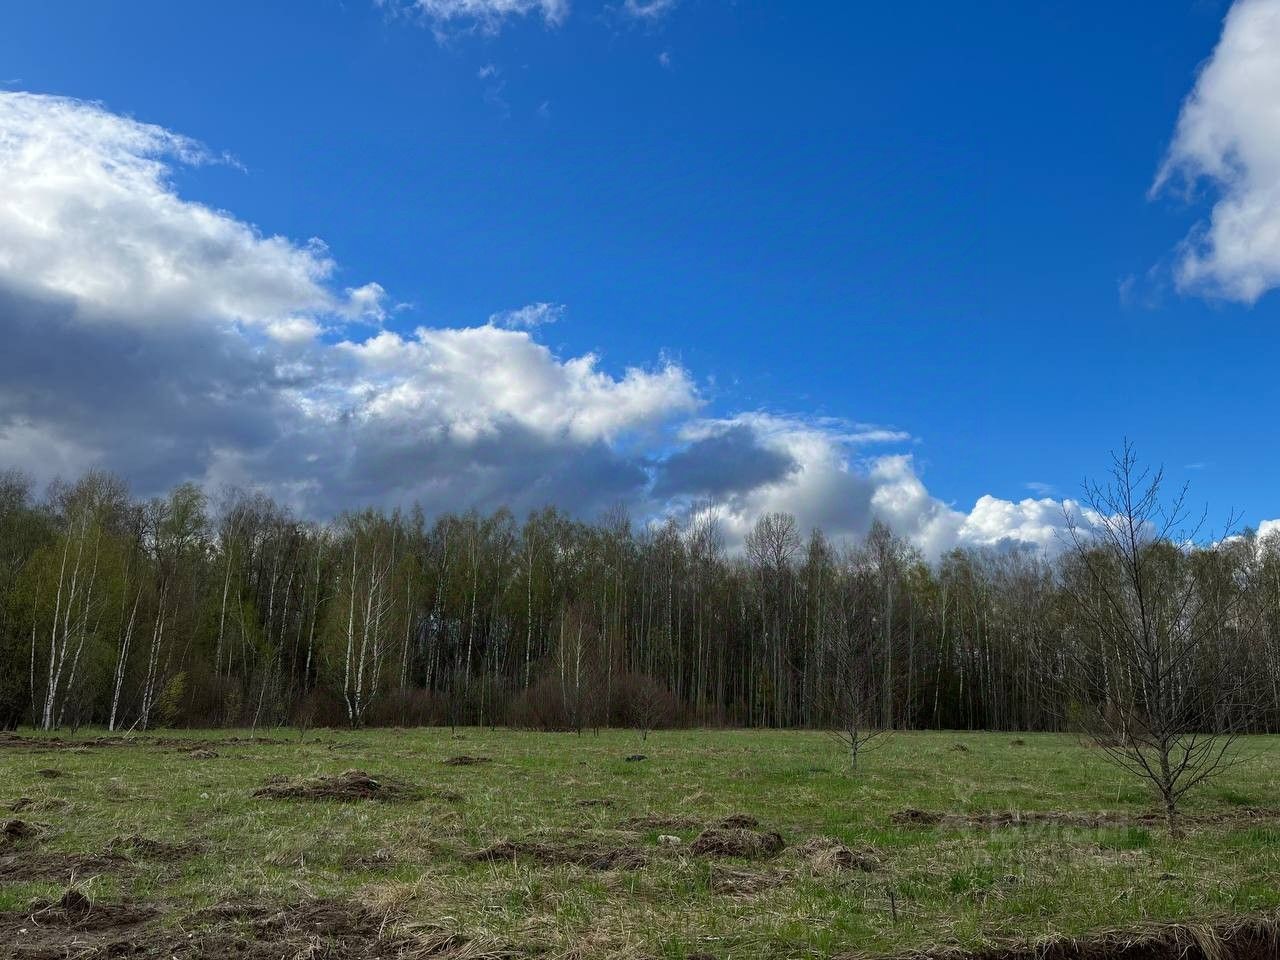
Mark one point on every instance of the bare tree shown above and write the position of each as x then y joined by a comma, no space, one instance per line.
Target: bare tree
1158,694
855,688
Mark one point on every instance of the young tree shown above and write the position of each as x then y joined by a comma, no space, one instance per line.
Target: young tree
1161,699
855,691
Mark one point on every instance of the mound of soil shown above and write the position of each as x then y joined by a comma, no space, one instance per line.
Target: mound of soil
14,832
144,848
348,785
748,844
39,804
75,908
581,855
825,856
462,760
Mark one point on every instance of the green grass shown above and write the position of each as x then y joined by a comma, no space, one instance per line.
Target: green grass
963,886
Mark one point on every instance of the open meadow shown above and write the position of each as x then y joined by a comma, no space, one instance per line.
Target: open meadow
508,843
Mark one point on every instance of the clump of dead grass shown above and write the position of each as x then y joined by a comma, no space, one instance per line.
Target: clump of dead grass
827,856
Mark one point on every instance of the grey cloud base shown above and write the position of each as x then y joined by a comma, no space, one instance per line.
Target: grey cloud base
236,364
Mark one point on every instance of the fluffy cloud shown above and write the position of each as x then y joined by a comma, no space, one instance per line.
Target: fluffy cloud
88,215
160,338
474,381
154,336
827,475
1228,136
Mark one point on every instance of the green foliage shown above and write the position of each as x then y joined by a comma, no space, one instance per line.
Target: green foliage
170,699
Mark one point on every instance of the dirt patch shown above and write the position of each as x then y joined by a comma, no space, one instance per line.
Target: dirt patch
345,786
827,856
12,741
581,855
73,926
463,760
144,848
1004,818
1244,938
661,821
313,929
317,930
45,866
1030,818
749,844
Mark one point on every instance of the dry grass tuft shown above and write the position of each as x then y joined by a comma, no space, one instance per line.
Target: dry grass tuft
826,856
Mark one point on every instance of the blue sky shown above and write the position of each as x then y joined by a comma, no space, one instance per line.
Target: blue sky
933,220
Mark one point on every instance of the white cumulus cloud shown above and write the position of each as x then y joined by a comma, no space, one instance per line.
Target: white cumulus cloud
87,213
1228,139
146,333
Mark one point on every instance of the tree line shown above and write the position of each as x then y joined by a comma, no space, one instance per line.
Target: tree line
186,610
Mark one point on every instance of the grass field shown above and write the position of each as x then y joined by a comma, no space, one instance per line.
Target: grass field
587,883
